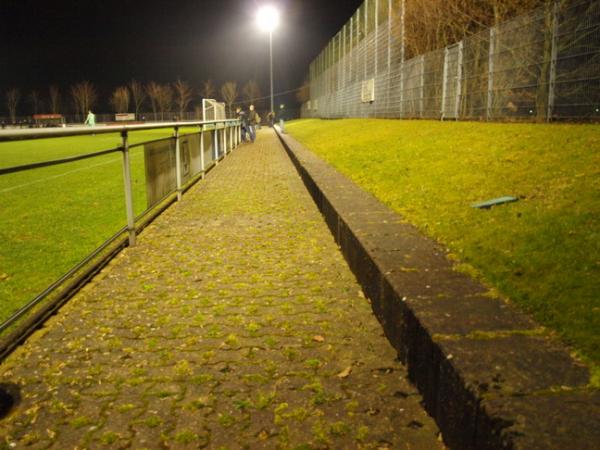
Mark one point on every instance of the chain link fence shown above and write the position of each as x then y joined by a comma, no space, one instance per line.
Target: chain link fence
541,66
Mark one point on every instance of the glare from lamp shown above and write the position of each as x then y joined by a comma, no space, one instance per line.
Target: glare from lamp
267,18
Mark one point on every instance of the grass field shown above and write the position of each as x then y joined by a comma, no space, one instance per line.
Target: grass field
53,217
543,252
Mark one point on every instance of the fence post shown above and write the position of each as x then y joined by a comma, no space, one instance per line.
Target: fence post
459,73
402,30
376,31
554,57
444,83
366,28
389,60
402,66
178,163
422,96
225,139
336,62
344,77
490,89
352,52
128,189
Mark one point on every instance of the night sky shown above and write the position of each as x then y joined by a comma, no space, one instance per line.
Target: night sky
109,42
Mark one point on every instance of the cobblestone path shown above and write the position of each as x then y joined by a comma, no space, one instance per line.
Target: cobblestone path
235,323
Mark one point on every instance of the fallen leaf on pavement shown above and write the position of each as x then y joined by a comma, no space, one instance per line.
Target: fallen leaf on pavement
344,373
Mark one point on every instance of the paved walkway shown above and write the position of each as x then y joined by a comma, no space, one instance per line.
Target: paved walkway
235,323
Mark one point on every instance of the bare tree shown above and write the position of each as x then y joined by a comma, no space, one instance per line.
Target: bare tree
34,101
138,95
161,98
183,96
208,89
251,91
434,24
153,91
13,96
54,94
165,99
84,97
120,99
229,92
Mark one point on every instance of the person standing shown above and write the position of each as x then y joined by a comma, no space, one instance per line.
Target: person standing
243,118
271,119
91,119
252,121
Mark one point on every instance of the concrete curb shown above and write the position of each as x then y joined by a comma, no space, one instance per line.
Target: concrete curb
489,375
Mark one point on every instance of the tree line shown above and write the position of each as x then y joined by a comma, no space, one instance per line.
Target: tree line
135,97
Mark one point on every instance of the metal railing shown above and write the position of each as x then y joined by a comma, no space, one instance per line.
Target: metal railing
197,146
541,66
27,121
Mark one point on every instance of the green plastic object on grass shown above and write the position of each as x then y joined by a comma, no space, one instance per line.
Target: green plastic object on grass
496,201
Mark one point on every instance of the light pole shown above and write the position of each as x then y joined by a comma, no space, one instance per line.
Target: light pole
267,19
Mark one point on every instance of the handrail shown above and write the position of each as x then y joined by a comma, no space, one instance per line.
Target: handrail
226,137
44,133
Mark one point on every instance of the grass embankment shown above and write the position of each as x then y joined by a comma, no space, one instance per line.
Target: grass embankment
543,252
53,217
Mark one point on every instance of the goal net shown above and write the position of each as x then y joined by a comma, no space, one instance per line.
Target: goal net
212,110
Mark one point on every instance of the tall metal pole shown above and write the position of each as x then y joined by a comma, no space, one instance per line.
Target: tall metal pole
271,65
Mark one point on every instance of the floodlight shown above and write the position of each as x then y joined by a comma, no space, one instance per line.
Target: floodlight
267,18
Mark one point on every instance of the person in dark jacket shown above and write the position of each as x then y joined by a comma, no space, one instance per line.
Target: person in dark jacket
243,118
252,121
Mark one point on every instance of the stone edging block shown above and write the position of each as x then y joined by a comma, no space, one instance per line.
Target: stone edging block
488,374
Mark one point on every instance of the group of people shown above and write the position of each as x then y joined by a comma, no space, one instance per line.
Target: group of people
250,121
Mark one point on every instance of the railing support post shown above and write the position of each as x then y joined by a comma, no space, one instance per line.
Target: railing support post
128,189
202,163
225,140
216,144
178,163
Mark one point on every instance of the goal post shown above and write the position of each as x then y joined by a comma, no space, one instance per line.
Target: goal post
213,110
